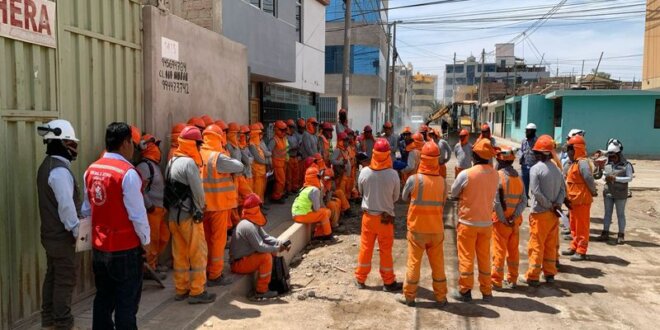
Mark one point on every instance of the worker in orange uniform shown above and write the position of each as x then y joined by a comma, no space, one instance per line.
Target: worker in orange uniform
207,120
310,139
279,147
380,186
197,122
300,132
184,196
510,202
427,193
424,130
241,181
475,188
486,134
221,198
308,208
414,155
292,166
352,154
547,191
445,150
580,190
366,141
341,162
463,152
153,190
330,198
325,142
174,136
252,249
259,166
246,154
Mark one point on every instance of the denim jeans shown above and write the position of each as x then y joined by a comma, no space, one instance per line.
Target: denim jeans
525,177
620,213
118,277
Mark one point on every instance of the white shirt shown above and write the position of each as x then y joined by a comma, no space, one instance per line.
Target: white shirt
61,182
131,187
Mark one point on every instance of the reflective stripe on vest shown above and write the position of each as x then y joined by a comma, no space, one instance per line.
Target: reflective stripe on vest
425,214
281,149
513,192
302,205
219,189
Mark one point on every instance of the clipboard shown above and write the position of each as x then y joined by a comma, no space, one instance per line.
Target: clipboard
84,240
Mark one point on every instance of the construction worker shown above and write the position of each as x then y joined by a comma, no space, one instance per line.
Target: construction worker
260,164
388,134
463,152
379,186
352,154
424,130
279,147
221,198
325,142
617,174
310,141
153,193
510,201
445,150
264,148
580,190
341,159
251,247
330,198
207,120
241,181
475,188
366,141
307,207
301,127
486,134
527,158
342,123
427,193
120,229
292,166
174,136
563,157
414,154
197,122
404,140
247,156
547,191
59,206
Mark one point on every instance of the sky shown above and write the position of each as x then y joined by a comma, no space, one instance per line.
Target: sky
578,30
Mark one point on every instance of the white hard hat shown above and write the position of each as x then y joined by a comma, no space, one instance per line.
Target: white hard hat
58,129
531,126
613,148
574,132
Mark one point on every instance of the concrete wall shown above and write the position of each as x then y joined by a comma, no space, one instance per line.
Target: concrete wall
535,109
627,118
651,68
213,69
359,114
205,13
271,41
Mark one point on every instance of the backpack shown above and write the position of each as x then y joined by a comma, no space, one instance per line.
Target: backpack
280,279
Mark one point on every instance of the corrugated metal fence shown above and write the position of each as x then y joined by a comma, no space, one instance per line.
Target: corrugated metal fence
94,77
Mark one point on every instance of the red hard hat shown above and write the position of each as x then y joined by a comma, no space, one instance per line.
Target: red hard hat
207,120
254,127
367,128
221,124
245,129
191,133
300,122
327,126
342,136
485,127
196,121
178,127
213,128
261,126
280,124
577,139
290,123
135,135
309,161
343,110
423,128
418,137
464,132
387,125
233,127
252,200
430,149
381,145
349,131
312,120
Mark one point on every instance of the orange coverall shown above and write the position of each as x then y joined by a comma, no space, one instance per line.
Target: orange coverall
579,193
258,170
507,237
280,157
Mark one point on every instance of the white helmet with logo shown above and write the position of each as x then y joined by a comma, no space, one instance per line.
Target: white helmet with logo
58,129
574,132
531,126
614,146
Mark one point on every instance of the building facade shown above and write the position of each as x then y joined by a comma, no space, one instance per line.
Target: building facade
651,68
368,63
403,94
425,93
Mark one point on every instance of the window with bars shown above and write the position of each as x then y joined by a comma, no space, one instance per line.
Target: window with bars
299,20
268,6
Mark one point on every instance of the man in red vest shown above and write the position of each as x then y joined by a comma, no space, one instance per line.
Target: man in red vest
120,229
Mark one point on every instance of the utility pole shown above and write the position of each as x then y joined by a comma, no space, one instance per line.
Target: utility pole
453,81
581,75
593,79
515,78
345,77
481,80
387,65
394,56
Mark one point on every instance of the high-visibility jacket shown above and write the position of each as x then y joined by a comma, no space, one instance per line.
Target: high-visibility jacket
112,230
281,151
476,198
303,204
219,190
427,202
513,188
577,190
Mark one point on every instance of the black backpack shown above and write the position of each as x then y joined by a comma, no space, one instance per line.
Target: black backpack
280,279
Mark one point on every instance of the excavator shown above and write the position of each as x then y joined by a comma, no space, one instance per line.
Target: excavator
462,115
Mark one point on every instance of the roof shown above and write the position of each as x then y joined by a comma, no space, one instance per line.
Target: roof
513,99
600,92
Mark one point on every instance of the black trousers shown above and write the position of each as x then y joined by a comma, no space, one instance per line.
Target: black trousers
118,277
58,286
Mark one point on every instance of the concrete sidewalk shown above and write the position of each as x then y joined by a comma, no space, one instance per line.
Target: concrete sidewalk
158,310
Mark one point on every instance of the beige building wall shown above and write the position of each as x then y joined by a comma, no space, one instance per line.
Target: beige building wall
651,69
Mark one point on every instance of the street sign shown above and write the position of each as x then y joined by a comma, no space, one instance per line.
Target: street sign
31,21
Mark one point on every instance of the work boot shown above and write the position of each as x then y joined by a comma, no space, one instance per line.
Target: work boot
604,236
266,295
619,239
463,297
508,285
348,213
579,257
442,303
181,297
204,298
568,237
393,287
220,281
550,279
403,300
568,252
532,283
487,297
565,231
360,285
497,286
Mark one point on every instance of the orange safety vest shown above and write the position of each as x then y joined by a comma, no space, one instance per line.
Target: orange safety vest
476,200
427,203
259,169
327,147
576,188
219,189
280,152
514,189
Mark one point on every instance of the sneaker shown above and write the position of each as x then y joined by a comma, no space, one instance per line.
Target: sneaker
604,236
550,279
509,285
441,304
360,285
266,295
220,281
579,257
393,287
532,283
463,297
566,232
204,298
403,300
487,297
619,239
181,297
568,252
568,238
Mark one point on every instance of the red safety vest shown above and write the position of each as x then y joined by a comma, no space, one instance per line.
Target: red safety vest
112,231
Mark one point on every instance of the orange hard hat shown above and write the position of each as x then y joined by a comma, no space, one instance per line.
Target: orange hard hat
406,130
367,129
213,128
342,136
312,121
207,120
196,121
418,137
349,131
485,127
280,124
252,200
387,125
261,126
506,153
233,127
191,133
178,127
150,138
221,124
135,135
255,127
311,172
423,128
300,122
245,129
290,123
577,139
463,132
544,144
327,126
430,149
381,145
484,149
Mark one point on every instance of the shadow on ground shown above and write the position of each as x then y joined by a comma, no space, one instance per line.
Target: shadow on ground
586,272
